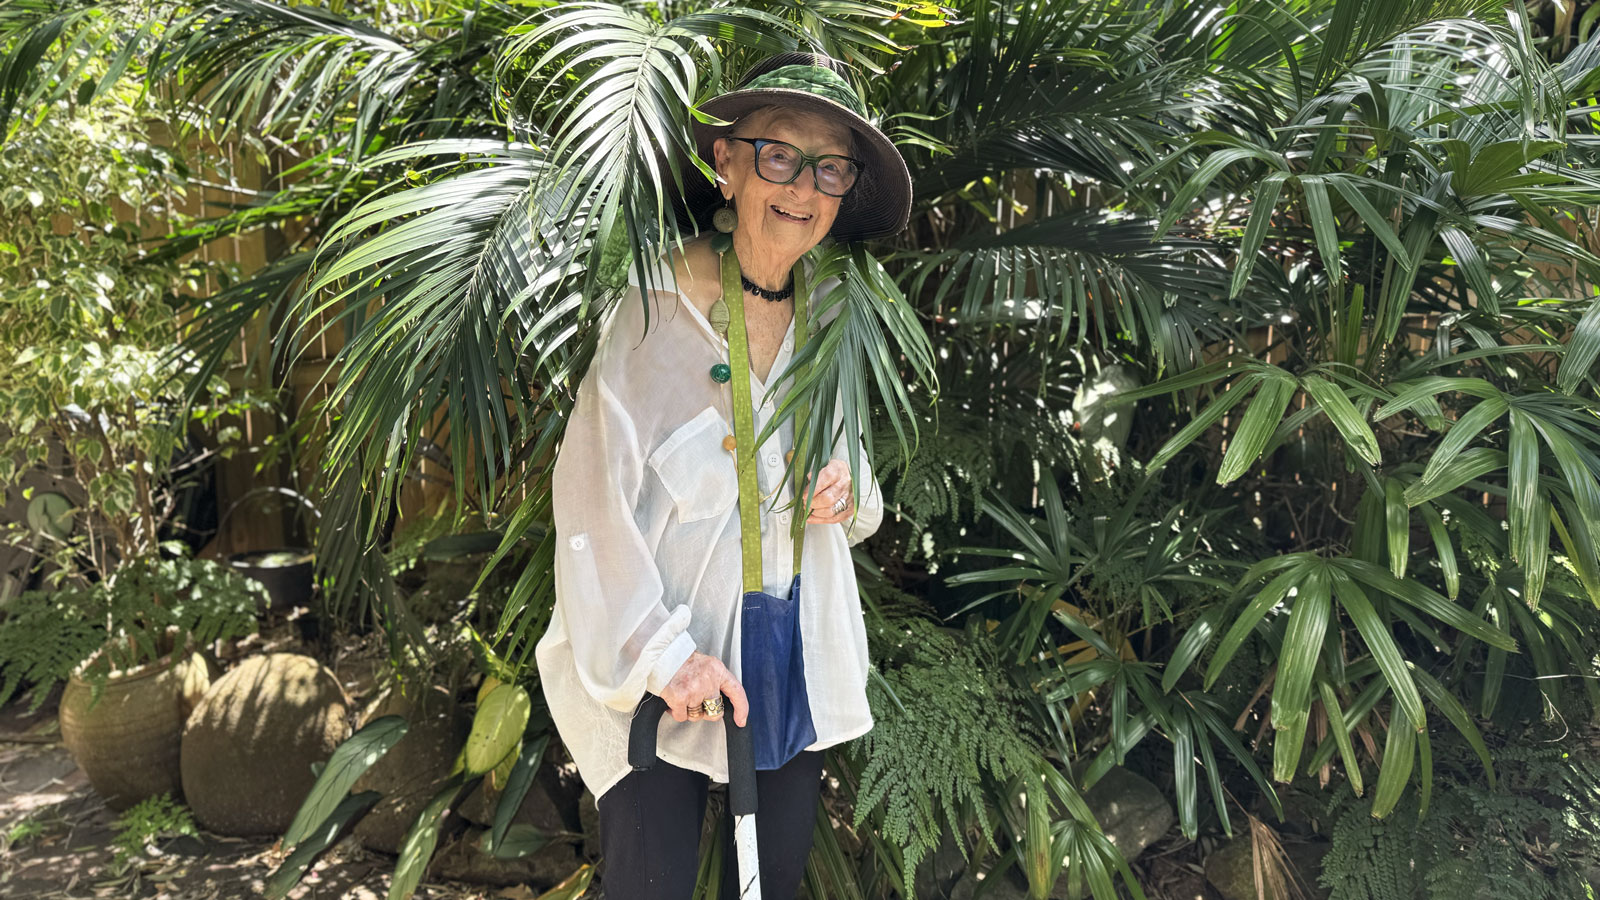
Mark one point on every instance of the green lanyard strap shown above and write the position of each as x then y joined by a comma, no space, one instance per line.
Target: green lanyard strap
745,453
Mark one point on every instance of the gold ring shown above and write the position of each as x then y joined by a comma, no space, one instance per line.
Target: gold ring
694,711
712,706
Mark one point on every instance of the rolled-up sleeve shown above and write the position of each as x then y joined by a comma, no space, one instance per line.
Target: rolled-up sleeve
625,640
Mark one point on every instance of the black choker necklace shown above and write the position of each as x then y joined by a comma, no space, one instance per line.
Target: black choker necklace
771,296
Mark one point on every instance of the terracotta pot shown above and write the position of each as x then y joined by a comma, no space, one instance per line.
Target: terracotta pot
128,740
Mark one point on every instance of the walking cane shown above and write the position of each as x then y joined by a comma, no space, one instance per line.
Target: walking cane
741,782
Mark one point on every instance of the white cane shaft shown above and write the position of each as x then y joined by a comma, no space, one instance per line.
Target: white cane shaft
744,838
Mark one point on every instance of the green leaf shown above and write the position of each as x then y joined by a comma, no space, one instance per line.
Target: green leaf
1352,426
316,840
1185,780
1200,375
1536,551
1256,426
1189,646
1466,428
1197,426
422,838
1324,230
1426,600
1399,757
497,726
1471,464
1447,703
1205,174
349,762
1391,662
1268,597
1522,477
1582,350
1375,221
1444,547
1262,209
519,840
1473,266
1397,524
1359,708
1341,735
1411,394
1577,467
1371,528
1583,551
517,785
1297,664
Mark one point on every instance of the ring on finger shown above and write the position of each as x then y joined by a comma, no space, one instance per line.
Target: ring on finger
842,505
694,711
712,707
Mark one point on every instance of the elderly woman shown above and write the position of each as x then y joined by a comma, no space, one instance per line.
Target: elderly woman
658,569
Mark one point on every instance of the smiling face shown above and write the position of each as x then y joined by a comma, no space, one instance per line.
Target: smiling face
786,219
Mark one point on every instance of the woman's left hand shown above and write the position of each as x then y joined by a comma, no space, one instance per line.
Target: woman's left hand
833,485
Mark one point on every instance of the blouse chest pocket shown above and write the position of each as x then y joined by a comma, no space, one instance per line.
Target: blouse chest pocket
696,469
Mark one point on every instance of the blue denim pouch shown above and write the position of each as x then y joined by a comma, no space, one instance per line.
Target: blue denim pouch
774,677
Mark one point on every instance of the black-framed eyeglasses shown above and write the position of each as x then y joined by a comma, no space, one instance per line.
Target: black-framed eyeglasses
781,163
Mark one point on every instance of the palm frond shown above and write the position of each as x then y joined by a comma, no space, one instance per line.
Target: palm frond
267,67
1111,273
614,88
56,47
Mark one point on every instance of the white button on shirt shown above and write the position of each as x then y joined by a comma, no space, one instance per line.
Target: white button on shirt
648,571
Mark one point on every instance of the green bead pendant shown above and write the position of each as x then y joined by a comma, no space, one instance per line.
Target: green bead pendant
719,318
721,374
721,242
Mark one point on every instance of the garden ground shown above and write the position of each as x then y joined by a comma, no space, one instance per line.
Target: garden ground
56,833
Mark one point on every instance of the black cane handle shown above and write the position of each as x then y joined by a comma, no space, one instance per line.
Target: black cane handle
741,752
642,733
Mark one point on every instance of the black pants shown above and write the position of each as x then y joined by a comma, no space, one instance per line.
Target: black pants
650,831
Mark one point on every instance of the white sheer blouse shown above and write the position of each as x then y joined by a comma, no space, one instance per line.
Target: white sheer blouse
647,564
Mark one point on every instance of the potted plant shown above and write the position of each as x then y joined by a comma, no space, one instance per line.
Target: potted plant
126,647
287,573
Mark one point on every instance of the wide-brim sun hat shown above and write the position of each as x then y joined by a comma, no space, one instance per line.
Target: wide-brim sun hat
880,203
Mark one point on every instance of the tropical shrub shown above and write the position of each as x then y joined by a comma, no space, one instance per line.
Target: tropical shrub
94,393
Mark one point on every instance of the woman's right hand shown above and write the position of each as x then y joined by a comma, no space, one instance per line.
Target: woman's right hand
700,678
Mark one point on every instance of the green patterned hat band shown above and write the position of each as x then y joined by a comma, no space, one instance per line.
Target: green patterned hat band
817,80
